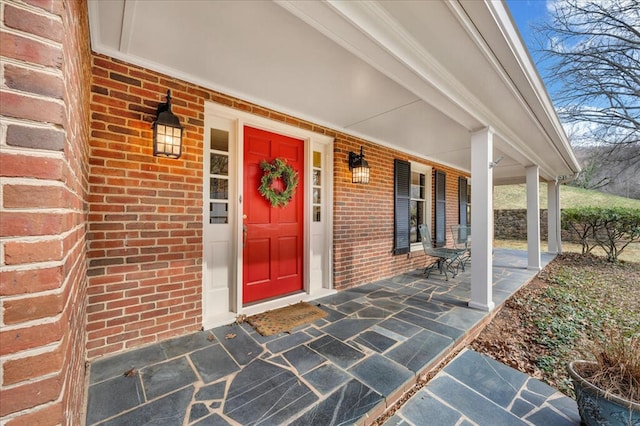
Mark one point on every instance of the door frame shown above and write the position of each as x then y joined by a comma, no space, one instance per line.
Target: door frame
317,237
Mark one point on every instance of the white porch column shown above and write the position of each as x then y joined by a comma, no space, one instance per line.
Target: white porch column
533,218
554,238
482,220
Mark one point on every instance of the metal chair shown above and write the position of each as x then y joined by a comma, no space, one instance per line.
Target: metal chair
444,257
462,241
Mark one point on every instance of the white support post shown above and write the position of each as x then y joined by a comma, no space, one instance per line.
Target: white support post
553,216
482,220
533,218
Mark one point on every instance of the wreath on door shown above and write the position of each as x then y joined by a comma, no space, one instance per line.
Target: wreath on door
279,169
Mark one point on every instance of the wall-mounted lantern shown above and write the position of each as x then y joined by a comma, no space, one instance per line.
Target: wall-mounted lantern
167,132
359,167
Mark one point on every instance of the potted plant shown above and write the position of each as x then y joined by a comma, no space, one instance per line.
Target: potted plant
608,388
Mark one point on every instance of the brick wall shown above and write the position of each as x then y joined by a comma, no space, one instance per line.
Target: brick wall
145,221
43,163
145,224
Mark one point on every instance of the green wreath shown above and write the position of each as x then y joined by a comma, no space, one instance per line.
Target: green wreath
279,169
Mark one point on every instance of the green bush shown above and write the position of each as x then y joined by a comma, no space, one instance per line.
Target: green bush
612,229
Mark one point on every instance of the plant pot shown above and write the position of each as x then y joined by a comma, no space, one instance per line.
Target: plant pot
597,408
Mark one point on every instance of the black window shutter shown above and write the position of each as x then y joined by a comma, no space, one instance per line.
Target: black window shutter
441,209
402,174
462,201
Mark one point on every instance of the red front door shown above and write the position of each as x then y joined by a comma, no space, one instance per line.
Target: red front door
273,236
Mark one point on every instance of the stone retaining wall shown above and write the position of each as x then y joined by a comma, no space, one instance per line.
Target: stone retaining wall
512,225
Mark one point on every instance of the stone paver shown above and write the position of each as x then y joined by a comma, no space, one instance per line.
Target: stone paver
479,390
342,369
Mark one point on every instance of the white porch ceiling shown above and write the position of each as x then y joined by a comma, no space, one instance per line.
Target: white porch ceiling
415,75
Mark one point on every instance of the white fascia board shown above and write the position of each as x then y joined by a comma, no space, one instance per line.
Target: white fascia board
502,129
506,23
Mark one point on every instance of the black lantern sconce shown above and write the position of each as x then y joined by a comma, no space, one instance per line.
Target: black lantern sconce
167,132
359,167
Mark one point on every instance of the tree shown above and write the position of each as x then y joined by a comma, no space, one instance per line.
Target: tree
608,171
591,49
611,229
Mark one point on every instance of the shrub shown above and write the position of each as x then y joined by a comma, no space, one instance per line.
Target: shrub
612,229
617,367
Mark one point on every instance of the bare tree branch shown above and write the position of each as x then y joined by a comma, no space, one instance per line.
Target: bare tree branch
591,50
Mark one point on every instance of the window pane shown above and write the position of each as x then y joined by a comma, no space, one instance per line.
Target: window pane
219,189
415,178
317,178
416,218
413,222
220,140
316,196
218,213
417,185
317,159
316,213
219,164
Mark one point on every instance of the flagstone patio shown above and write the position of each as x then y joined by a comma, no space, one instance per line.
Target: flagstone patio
346,368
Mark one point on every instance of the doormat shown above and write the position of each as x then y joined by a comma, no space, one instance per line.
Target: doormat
285,319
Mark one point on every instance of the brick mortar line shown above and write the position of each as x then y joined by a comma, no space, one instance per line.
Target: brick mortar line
52,71
30,36
30,152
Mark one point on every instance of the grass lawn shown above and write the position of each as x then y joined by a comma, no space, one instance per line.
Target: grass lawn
515,197
550,321
631,253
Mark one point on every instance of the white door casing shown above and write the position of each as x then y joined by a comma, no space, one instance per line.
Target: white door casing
222,242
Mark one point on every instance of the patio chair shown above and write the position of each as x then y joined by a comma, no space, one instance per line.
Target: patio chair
462,241
444,257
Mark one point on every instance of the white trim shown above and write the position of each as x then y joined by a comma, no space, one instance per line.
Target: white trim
312,290
427,171
127,24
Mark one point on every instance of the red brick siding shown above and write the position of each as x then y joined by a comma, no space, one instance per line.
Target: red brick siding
44,167
145,224
145,220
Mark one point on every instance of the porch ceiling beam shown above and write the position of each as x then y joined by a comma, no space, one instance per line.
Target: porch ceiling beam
367,31
127,24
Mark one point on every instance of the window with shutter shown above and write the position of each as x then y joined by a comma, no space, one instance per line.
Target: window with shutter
441,209
402,197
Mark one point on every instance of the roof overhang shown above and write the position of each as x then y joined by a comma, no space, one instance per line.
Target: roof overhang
416,76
